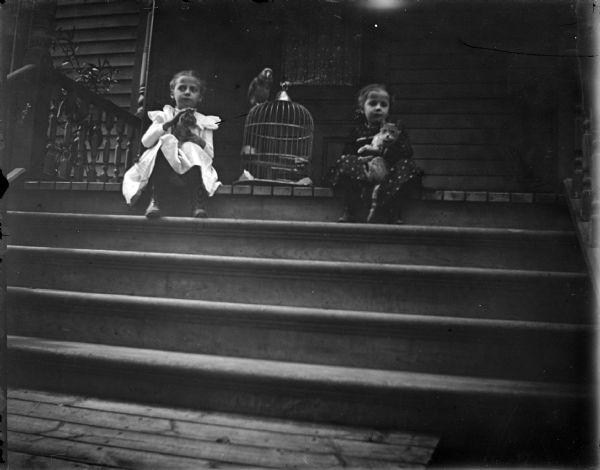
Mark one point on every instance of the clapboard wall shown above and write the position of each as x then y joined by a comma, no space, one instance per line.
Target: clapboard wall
479,85
106,29
476,83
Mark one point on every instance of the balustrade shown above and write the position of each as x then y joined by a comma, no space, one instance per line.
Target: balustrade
581,186
88,137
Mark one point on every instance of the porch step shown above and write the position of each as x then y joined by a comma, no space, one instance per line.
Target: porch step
485,409
553,352
107,199
425,290
407,244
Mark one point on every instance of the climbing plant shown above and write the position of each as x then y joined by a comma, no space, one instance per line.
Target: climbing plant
98,77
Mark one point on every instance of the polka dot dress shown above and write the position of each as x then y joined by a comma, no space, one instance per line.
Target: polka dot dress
350,171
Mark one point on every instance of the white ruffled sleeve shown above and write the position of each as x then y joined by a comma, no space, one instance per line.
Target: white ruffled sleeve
208,124
155,131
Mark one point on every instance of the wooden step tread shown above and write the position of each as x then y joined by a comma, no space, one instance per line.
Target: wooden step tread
274,228
306,317
479,347
516,294
274,373
102,432
437,210
299,267
408,244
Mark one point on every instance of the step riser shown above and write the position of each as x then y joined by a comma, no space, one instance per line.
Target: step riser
443,348
393,290
487,423
538,255
408,246
440,213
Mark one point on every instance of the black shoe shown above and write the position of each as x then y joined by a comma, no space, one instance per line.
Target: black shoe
153,211
199,199
346,217
199,213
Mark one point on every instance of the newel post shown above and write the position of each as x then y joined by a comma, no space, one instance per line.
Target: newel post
31,90
594,204
149,8
7,28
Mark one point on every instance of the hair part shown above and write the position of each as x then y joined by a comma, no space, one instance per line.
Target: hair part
363,94
189,73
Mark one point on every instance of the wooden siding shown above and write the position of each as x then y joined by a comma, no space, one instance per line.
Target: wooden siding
479,118
109,30
475,85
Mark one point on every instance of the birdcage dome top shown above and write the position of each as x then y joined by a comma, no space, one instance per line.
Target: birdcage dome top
281,112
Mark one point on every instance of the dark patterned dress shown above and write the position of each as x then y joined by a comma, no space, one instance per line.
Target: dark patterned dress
349,173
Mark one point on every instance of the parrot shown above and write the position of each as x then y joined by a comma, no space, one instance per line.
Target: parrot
260,87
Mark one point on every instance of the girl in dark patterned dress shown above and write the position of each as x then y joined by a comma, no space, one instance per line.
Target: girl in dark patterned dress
350,176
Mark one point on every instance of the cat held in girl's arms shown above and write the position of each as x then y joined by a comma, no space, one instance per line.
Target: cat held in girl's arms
373,154
187,129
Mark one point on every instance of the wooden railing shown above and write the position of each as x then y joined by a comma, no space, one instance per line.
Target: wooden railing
65,132
582,196
580,187
88,137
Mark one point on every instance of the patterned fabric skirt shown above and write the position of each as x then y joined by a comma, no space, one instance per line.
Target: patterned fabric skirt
401,173
349,168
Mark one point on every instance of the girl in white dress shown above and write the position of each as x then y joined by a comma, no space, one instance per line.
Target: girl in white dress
192,158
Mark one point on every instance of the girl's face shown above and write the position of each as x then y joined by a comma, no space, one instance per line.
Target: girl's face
186,92
377,106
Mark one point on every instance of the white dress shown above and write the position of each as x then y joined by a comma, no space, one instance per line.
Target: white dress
181,158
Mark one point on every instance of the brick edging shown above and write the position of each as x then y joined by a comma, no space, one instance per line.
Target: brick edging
318,192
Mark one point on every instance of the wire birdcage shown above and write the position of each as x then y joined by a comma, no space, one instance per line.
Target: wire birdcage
278,138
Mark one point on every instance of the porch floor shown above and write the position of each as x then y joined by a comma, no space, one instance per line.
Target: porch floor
52,431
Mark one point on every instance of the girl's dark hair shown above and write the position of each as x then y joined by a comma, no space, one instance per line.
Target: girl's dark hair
189,73
361,97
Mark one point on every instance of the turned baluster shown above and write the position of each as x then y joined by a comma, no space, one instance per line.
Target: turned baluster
586,199
577,175
595,196
51,160
131,135
78,152
95,139
109,123
120,128
594,227
69,147
82,113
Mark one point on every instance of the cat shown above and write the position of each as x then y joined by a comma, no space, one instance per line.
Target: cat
388,134
187,130
376,166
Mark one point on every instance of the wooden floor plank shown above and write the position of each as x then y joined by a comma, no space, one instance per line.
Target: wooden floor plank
213,433
224,451
112,457
227,419
20,461
85,432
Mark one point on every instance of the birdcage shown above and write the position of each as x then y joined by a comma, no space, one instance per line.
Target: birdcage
278,138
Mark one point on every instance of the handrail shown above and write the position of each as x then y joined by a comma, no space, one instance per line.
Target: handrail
15,174
72,86
21,71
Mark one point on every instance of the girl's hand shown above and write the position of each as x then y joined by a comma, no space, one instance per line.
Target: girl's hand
368,151
198,140
173,121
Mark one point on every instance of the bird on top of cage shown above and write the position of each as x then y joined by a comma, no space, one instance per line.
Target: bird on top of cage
260,87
